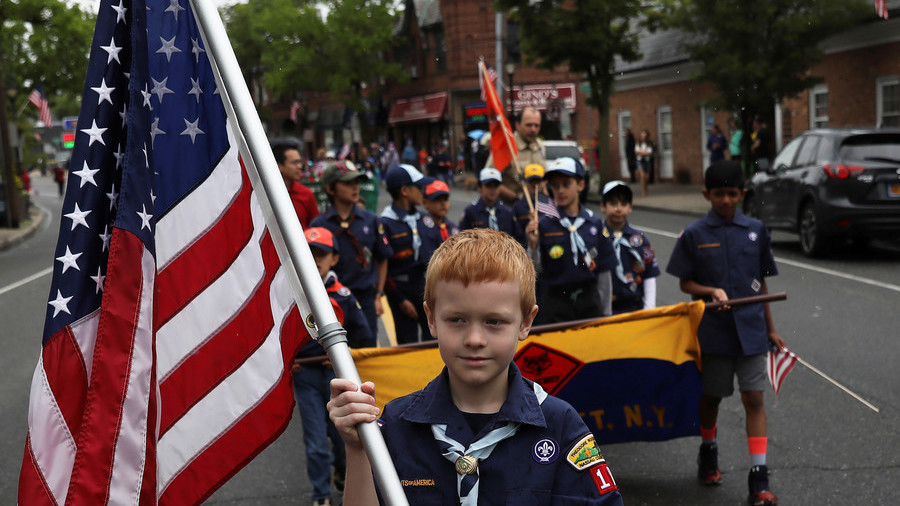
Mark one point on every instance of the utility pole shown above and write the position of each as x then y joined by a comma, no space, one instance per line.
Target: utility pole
9,180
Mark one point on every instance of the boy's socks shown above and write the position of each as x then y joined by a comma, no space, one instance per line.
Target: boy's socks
757,446
708,435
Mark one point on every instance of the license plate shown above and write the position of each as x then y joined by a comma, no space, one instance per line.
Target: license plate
894,190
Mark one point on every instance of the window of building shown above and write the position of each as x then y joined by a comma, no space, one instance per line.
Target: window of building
888,96
818,106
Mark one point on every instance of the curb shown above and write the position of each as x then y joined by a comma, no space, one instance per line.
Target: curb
670,210
19,235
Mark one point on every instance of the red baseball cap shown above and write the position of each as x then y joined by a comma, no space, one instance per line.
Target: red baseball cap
321,238
436,189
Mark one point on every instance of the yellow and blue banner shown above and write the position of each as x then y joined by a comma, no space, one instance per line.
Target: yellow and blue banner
632,377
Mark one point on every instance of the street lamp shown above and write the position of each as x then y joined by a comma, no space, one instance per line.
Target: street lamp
510,70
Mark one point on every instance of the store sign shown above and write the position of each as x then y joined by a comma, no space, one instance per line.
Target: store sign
476,112
540,96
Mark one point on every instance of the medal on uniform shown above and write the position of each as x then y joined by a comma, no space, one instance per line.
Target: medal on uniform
466,464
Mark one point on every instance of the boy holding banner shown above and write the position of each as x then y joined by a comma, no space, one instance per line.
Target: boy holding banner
723,256
479,429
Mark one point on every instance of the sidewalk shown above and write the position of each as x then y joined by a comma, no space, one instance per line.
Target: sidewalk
9,237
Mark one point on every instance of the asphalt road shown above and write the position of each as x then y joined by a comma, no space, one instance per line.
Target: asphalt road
825,448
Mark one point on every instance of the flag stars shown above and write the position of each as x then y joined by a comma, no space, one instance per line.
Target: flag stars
119,155
196,49
195,89
174,8
78,217
145,217
124,114
146,158
104,237
192,129
87,175
60,304
168,47
160,89
95,133
99,278
69,260
104,92
146,94
112,196
155,130
112,51
120,12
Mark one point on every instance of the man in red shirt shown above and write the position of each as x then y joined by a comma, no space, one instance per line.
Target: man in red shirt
291,166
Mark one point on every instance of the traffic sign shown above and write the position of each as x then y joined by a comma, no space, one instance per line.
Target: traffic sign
70,122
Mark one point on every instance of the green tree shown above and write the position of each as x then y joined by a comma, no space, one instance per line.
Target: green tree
758,52
45,42
588,36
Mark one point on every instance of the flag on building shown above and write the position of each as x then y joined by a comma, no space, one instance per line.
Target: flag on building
38,100
881,8
779,364
295,109
170,324
503,144
632,377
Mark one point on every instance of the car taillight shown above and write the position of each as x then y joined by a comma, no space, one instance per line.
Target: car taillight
842,171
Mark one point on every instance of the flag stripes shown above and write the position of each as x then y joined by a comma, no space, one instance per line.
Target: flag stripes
37,99
779,364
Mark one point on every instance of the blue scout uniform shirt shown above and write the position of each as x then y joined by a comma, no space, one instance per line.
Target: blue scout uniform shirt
557,265
476,215
358,333
638,262
356,267
735,256
530,468
400,238
431,234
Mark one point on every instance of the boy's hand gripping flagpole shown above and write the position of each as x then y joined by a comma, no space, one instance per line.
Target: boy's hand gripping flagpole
494,107
287,234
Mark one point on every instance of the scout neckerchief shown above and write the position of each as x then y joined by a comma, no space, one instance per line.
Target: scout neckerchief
466,459
492,217
411,220
344,229
619,240
445,234
576,242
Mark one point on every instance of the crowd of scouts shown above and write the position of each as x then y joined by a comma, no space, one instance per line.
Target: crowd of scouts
578,266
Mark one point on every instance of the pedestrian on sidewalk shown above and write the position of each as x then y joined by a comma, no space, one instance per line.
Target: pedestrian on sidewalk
644,153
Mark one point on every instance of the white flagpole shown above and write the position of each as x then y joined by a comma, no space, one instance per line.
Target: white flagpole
287,233
835,383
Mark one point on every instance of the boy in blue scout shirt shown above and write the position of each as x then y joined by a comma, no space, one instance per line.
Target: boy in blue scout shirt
360,236
437,227
311,381
723,256
406,269
534,185
572,256
634,280
479,433
488,211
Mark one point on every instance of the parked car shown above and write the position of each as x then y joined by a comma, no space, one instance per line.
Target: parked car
832,184
571,149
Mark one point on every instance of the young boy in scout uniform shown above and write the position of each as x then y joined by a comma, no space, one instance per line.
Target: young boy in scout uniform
311,380
723,256
406,269
360,238
573,257
479,433
634,280
488,211
437,227
534,185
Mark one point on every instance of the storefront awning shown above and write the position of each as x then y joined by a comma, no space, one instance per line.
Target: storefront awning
428,108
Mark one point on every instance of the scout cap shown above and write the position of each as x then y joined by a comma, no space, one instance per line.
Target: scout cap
405,175
436,189
534,172
343,171
320,238
565,166
615,188
726,173
488,174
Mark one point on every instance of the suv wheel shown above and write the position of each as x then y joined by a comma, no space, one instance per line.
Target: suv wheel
811,241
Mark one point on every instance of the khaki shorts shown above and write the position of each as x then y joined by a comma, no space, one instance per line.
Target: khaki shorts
719,372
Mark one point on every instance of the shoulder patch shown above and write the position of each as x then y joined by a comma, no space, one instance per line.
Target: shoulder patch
343,291
603,478
584,453
636,240
428,221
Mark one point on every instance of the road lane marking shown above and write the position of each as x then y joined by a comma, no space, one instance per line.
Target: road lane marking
801,265
29,279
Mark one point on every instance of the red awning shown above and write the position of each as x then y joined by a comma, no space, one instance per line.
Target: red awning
428,108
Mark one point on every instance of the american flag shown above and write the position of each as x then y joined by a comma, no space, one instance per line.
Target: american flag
881,8
38,100
779,364
170,324
545,205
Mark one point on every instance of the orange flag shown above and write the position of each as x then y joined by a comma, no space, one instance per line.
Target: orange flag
503,144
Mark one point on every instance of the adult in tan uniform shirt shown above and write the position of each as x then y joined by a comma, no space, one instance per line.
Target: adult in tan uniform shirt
531,150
